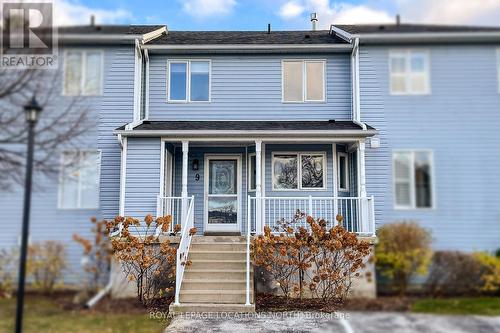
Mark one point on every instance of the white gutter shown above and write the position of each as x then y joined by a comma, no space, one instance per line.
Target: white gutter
340,33
429,37
304,47
147,37
356,99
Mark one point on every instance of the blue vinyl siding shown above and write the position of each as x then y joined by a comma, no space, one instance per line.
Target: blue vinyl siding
249,88
142,176
458,121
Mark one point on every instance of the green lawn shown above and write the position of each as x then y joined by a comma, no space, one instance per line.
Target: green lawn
488,306
44,315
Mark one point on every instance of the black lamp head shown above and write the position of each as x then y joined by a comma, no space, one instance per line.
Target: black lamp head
32,110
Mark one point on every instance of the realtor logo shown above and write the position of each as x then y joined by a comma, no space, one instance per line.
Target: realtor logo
28,35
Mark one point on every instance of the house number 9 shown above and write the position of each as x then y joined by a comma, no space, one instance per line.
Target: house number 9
197,177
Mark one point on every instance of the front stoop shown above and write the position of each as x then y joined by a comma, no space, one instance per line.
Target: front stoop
216,279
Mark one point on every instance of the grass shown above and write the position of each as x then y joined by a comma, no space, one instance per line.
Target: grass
487,306
44,315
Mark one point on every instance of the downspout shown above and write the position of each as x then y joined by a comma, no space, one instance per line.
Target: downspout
97,297
356,107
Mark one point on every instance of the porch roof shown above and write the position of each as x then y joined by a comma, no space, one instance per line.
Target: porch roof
249,129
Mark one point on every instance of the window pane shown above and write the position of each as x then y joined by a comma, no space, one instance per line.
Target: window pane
398,83
312,171
398,64
252,172
222,210
69,180
93,73
200,77
292,81
285,172
418,83
178,79
342,172
417,63
423,180
315,81
402,168
222,175
73,74
89,180
403,196
402,174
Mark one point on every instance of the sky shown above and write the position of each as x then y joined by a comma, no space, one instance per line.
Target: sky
282,14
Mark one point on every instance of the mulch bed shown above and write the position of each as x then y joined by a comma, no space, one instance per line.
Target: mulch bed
269,302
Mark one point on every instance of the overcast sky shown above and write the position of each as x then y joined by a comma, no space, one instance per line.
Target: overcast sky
282,14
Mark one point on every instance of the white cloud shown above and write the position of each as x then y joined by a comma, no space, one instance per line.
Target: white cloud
291,9
478,12
72,13
473,12
205,8
339,13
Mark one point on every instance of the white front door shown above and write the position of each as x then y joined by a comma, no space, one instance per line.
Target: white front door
222,193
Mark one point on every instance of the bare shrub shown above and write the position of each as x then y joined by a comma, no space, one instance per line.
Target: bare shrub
8,268
324,261
453,273
143,258
46,264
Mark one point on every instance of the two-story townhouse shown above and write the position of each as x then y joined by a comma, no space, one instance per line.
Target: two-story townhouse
95,73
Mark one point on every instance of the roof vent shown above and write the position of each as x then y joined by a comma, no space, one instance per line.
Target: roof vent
331,121
398,19
269,28
381,27
307,36
92,20
314,21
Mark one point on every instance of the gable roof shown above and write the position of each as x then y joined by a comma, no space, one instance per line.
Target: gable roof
247,37
100,29
412,28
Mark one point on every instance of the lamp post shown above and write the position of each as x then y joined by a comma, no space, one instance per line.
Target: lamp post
32,109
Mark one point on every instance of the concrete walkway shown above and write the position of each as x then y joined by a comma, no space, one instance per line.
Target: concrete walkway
349,322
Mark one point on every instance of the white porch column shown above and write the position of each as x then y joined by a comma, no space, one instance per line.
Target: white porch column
361,171
259,225
184,191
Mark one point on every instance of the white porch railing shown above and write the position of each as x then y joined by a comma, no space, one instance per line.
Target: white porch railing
173,206
183,249
357,212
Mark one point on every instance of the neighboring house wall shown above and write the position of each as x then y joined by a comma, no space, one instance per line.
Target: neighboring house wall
249,88
47,221
458,121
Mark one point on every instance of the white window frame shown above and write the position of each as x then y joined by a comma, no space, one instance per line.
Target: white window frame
498,68
299,171
84,68
250,175
188,80
413,189
61,179
406,54
346,156
304,80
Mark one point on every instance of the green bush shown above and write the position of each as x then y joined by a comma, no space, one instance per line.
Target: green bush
402,252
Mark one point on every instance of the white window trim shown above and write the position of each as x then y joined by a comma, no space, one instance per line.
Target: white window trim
84,67
249,173
188,81
407,75
61,175
498,68
413,203
304,81
299,171
346,156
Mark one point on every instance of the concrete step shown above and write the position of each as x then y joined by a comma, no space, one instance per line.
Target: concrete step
218,239
218,264
215,274
211,307
214,296
204,284
220,246
214,255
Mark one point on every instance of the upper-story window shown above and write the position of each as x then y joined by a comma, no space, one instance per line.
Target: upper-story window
409,72
303,80
83,72
79,179
413,186
189,81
